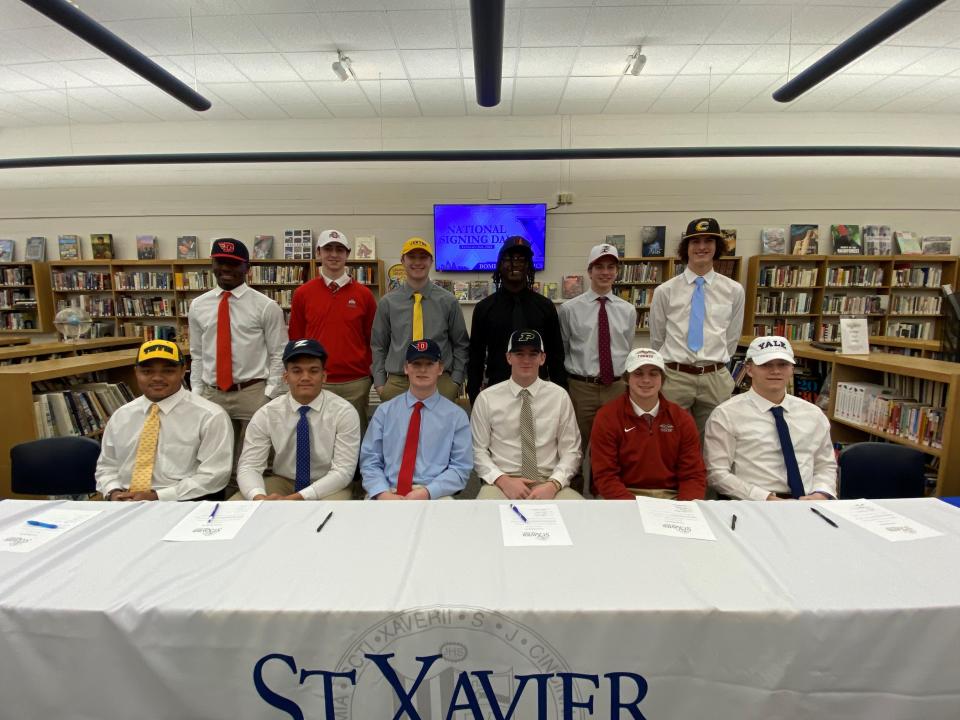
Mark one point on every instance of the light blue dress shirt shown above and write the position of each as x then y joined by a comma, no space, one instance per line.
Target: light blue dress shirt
444,455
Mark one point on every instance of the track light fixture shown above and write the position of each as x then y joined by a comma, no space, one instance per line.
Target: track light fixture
635,62
343,67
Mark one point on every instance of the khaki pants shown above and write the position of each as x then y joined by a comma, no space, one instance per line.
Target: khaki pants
492,492
699,394
399,384
357,393
415,487
659,493
240,406
284,486
587,399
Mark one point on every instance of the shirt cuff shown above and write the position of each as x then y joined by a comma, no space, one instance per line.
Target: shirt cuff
564,482
166,494
308,493
490,477
758,493
253,493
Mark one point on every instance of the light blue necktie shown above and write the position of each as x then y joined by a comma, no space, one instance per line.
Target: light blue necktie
303,450
698,311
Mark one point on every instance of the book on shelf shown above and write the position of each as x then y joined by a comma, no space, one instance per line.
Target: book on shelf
936,244
461,290
551,290
804,239
653,240
877,240
572,286
36,249
907,242
6,250
619,242
537,287
69,247
445,284
773,241
187,247
83,409
479,289
298,244
846,240
365,247
728,241
146,247
263,247
101,244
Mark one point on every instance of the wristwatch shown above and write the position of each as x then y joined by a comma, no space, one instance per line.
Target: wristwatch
556,484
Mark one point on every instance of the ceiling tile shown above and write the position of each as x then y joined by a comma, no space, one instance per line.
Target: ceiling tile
278,6
307,111
388,92
13,52
539,96
440,97
338,93
288,93
169,36
55,43
687,24
931,92
580,107
886,60
667,59
54,100
248,100
12,81
16,15
750,24
621,25
550,27
833,91
21,103
602,61
264,67
594,89
426,64
293,32
209,68
637,94
826,24
774,58
880,93
423,29
410,109
104,71
509,62
544,61
314,65
228,33
358,31
52,75
933,30
938,62
718,59
156,102
352,111
744,86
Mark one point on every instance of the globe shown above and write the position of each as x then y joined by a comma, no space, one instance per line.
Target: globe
73,323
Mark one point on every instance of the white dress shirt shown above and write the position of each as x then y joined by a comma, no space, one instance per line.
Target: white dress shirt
334,445
341,281
257,331
495,425
670,318
742,448
640,412
194,451
579,327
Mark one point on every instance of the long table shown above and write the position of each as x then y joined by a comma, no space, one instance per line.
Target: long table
417,611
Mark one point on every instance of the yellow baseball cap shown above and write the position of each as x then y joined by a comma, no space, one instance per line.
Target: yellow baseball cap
416,243
159,350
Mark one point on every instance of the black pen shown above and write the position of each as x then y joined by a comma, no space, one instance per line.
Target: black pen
733,523
825,518
329,515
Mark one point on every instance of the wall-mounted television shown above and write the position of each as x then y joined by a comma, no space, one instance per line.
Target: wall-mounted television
467,238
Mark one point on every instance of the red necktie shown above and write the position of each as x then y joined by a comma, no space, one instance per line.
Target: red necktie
409,462
603,339
333,287
224,347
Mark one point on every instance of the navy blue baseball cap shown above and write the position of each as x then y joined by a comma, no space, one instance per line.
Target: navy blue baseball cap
423,349
513,243
229,249
309,346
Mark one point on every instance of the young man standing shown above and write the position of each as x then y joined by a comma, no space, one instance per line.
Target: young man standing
598,330
514,306
643,444
766,444
338,311
526,445
695,322
418,444
417,310
236,340
314,434
167,444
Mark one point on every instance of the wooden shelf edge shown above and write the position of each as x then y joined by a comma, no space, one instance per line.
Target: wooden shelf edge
936,452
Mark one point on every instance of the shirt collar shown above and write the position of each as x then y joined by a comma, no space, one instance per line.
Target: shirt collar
341,281
764,405
167,404
424,291
431,402
533,388
237,292
316,403
590,294
640,412
690,276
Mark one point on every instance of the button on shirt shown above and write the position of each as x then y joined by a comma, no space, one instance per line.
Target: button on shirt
743,454
258,336
194,452
393,330
670,318
578,325
444,454
495,422
334,445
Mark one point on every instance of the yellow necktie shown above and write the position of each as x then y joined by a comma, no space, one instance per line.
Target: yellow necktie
417,317
146,452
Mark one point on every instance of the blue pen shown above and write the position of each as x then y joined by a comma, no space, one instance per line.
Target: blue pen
37,523
214,513
517,511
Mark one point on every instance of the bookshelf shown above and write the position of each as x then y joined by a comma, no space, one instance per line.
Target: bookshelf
25,305
803,297
50,350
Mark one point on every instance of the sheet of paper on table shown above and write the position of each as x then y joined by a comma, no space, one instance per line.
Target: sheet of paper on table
878,520
199,526
25,537
674,519
544,525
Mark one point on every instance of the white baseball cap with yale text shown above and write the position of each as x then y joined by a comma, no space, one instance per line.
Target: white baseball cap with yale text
770,347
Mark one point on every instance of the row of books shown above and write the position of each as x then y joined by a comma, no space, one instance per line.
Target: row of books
277,274
95,305
81,280
920,304
855,276
199,280
778,302
17,298
925,391
847,239
83,410
912,330
787,276
143,280
855,304
929,276
792,330
639,296
830,331
17,276
366,274
886,409
145,306
640,273
18,321
149,332
284,298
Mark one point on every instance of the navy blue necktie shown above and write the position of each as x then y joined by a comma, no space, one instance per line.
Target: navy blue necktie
789,457
303,450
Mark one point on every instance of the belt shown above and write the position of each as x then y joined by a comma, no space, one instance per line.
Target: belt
695,369
591,380
243,385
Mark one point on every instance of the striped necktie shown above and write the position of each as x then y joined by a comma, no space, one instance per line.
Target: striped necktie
528,439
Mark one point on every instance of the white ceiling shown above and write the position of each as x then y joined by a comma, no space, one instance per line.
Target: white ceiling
270,59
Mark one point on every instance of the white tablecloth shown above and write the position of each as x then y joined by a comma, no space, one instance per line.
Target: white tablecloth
785,618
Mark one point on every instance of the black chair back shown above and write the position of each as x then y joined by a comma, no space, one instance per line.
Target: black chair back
54,466
881,470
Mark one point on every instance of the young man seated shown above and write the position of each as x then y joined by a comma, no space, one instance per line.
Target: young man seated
643,444
526,445
167,444
314,434
418,444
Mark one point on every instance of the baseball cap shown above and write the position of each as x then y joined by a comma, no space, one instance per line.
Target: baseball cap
423,349
229,249
638,357
525,339
309,346
515,242
416,243
703,226
604,250
333,236
159,350
770,347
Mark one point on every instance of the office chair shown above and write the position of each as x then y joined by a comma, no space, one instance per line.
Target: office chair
54,466
881,470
